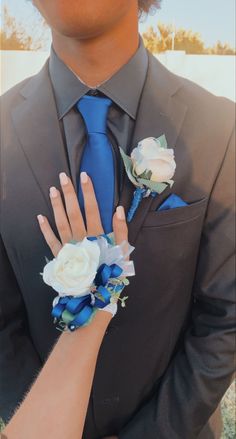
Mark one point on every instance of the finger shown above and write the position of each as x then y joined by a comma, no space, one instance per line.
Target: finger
72,208
93,219
120,227
61,219
50,237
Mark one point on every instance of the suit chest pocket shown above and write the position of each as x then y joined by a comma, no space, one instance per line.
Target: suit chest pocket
175,217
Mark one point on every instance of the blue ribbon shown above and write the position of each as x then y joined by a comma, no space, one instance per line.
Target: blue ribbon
76,304
81,318
81,307
105,272
137,198
106,297
60,307
72,304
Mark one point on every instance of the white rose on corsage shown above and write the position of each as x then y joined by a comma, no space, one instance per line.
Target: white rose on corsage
150,168
74,269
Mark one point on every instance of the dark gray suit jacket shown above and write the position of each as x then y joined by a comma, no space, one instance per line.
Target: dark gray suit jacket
167,358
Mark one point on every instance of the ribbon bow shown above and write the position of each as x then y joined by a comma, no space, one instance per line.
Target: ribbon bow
73,311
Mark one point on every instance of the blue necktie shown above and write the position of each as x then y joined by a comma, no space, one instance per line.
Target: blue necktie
97,159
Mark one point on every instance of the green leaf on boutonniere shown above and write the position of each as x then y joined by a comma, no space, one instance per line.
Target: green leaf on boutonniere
128,166
146,175
134,173
153,185
163,141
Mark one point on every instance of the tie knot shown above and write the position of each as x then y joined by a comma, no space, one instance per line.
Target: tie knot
94,110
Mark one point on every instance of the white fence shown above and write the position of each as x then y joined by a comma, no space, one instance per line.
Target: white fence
215,73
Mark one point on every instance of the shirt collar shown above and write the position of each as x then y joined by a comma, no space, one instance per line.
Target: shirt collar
124,87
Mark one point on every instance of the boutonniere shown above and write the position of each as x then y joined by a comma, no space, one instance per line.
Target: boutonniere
150,168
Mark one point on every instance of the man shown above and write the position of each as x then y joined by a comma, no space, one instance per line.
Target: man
167,359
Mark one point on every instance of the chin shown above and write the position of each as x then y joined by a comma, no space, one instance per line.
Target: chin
78,33
81,29
80,18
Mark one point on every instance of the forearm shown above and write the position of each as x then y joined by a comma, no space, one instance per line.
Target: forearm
58,400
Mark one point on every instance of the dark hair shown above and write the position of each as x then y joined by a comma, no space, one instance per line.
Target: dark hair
146,5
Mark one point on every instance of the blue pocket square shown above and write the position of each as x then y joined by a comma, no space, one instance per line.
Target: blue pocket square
172,202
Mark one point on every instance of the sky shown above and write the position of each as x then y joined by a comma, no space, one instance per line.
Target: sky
213,19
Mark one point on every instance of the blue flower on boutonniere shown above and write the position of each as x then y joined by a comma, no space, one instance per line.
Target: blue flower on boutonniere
150,168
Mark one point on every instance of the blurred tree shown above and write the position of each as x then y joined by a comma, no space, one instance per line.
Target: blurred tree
189,41
150,40
168,38
13,36
222,49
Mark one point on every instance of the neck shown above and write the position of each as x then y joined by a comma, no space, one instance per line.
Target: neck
96,59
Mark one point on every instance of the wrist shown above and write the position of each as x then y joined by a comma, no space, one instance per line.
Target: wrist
96,329
102,319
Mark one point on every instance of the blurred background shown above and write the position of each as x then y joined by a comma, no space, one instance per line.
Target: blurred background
193,38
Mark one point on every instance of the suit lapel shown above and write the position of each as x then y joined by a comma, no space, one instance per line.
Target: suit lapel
37,127
159,113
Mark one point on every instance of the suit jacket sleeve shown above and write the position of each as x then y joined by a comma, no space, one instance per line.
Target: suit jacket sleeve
201,370
19,361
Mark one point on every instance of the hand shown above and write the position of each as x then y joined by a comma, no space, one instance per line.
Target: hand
69,222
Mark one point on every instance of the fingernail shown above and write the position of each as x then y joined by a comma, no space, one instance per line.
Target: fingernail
53,192
120,212
63,178
84,177
40,219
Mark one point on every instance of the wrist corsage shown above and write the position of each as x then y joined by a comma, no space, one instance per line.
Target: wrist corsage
88,275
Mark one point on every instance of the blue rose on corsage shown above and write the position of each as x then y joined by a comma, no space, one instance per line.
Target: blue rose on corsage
150,168
88,275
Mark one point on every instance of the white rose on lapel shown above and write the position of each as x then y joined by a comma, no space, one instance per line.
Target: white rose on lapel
150,167
150,156
74,269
